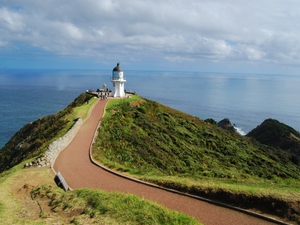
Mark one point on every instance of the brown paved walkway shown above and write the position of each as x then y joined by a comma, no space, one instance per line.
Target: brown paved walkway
75,166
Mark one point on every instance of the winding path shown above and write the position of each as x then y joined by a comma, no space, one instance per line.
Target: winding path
75,165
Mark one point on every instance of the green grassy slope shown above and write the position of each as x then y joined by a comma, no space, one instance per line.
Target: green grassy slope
170,148
145,136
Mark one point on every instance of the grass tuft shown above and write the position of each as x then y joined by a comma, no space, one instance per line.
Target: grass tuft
102,206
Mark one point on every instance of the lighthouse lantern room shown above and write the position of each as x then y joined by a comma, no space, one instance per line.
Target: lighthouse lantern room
118,81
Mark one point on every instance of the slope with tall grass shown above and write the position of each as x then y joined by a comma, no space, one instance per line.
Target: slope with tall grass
159,144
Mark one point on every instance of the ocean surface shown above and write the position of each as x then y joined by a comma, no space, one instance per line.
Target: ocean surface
246,99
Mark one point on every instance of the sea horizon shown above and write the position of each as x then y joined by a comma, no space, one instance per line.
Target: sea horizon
246,99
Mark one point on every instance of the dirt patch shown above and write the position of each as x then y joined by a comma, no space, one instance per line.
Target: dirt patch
40,208
37,209
136,103
295,137
23,184
32,208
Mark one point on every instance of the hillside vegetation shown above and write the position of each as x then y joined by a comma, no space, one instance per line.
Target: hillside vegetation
145,136
162,145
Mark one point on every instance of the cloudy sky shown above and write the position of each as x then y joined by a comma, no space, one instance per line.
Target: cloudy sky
257,36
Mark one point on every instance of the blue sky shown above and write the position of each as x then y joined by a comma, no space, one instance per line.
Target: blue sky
235,36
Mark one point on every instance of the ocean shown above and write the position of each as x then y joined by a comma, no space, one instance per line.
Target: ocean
246,99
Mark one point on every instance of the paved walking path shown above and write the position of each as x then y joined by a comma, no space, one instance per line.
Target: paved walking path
76,167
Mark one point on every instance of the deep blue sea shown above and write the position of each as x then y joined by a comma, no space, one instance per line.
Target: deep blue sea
246,99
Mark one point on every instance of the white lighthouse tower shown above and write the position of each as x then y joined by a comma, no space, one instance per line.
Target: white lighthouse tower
118,81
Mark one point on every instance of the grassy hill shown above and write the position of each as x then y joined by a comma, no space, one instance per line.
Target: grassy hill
164,146
144,136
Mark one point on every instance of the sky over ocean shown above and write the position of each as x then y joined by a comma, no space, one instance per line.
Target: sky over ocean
215,36
246,99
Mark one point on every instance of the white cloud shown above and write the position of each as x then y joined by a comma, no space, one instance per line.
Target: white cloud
11,20
264,31
3,43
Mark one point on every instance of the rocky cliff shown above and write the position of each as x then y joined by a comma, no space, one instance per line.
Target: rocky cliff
279,135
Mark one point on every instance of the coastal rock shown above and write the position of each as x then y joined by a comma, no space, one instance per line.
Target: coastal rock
273,133
226,124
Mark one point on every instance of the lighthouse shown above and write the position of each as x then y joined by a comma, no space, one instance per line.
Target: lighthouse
118,81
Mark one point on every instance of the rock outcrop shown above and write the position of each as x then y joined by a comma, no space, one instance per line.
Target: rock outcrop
279,135
226,124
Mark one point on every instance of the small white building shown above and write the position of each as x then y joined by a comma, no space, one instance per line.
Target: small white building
118,81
